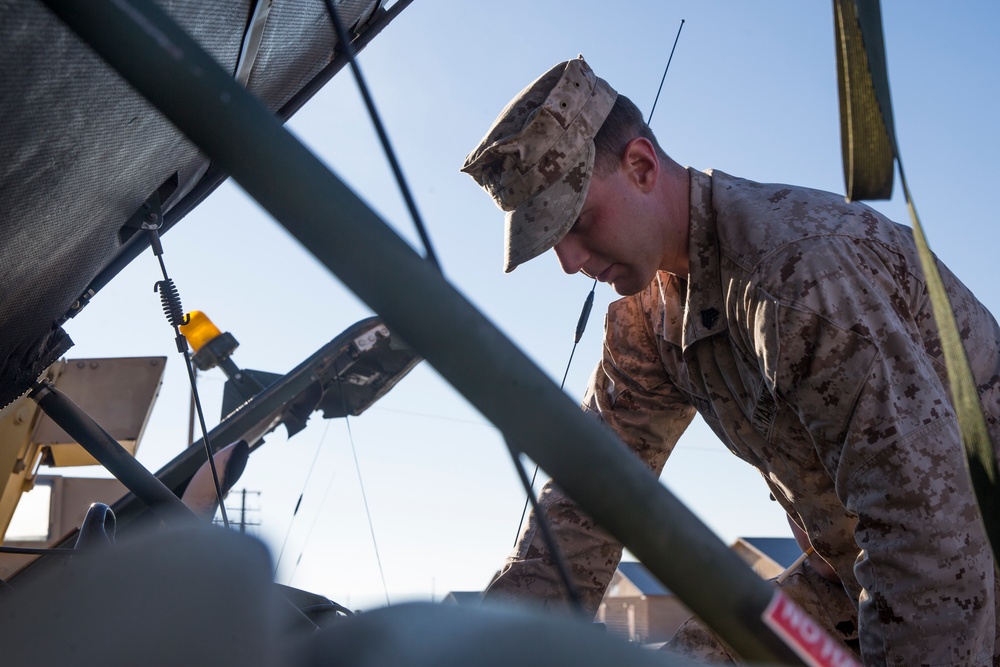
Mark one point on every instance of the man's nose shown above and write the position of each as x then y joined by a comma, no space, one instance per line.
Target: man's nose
571,254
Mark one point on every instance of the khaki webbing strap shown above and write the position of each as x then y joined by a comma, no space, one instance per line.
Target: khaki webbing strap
867,137
869,144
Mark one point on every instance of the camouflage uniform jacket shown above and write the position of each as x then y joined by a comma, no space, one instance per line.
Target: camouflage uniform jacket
804,337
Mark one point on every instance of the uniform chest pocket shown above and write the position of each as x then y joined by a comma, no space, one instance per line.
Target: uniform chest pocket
812,365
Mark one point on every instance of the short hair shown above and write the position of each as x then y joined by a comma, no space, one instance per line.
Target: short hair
623,124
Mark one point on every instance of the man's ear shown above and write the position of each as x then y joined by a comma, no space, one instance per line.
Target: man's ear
641,164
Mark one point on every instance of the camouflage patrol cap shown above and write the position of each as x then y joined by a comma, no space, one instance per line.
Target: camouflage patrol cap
537,158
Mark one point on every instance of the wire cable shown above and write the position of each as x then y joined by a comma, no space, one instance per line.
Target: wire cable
364,496
170,298
581,326
312,526
39,551
529,486
298,503
348,49
557,558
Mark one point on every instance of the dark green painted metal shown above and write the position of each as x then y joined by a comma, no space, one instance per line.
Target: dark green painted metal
204,102
109,453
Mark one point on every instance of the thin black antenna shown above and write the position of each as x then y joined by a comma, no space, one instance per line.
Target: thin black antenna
581,326
664,78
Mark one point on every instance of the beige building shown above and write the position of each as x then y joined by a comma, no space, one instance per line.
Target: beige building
641,609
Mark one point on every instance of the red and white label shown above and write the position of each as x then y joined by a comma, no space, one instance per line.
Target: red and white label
805,636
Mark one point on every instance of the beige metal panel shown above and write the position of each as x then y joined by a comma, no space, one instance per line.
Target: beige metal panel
117,393
18,453
71,498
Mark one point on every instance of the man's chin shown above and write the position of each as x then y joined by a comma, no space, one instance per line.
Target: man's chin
625,288
628,285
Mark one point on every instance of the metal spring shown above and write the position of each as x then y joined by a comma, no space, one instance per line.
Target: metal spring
171,300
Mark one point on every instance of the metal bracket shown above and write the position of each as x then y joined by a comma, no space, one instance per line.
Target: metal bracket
252,40
368,339
148,216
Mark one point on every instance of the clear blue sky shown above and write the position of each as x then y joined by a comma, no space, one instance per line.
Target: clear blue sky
751,91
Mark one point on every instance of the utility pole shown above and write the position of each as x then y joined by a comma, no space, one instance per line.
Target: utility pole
244,512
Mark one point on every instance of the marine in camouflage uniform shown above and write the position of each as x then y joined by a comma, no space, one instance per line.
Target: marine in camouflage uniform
802,333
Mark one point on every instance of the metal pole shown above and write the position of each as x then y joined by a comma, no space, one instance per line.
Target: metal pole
150,51
109,453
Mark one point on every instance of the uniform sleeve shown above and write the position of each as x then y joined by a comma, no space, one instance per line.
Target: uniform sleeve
630,392
843,334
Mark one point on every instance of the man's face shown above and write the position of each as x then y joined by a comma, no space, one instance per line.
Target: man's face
617,238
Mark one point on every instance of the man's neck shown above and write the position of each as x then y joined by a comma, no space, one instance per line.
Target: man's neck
675,200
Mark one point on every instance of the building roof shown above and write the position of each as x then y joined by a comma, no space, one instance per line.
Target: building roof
782,550
642,578
463,598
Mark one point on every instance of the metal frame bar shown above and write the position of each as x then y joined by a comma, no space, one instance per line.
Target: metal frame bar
78,424
165,65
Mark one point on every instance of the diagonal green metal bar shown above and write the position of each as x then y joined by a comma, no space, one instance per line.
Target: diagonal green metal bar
165,65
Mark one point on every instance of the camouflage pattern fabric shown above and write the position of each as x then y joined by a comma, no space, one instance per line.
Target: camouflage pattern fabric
537,158
823,600
804,337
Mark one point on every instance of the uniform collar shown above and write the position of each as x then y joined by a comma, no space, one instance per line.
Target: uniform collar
704,310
